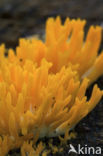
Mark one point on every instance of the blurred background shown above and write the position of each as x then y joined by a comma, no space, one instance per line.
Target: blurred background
22,18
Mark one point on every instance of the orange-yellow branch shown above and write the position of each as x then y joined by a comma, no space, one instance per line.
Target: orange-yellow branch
43,83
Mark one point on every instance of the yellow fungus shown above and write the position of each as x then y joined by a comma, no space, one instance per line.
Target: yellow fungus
43,84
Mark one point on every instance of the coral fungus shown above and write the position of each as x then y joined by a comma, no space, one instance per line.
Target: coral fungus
43,84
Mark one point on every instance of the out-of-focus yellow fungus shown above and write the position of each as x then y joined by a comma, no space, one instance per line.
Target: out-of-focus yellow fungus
43,84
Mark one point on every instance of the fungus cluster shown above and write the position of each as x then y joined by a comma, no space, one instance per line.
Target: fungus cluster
43,84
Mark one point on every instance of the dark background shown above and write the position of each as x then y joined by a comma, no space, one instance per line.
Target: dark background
23,18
